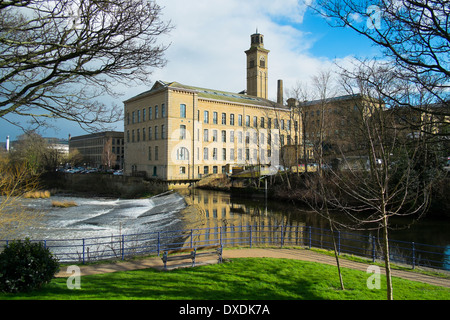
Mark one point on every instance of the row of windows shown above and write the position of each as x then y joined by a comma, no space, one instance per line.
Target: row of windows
117,141
213,154
249,137
233,155
139,116
206,171
99,150
153,134
250,121
215,169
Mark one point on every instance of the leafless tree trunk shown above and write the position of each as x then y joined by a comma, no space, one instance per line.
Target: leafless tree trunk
57,58
392,180
108,157
322,84
322,91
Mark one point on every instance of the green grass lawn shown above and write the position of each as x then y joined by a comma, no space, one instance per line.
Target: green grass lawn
238,279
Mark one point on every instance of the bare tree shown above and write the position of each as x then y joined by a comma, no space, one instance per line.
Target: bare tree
15,182
323,92
414,37
57,58
74,158
324,89
391,180
300,95
32,150
108,156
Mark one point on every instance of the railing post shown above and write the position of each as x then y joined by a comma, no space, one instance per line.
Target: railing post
83,250
216,231
373,249
413,256
220,235
309,231
282,236
123,247
250,235
339,243
158,248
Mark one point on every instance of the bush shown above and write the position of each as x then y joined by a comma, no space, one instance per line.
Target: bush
26,266
63,204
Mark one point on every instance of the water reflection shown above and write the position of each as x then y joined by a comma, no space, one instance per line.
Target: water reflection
212,209
215,209
222,214
221,209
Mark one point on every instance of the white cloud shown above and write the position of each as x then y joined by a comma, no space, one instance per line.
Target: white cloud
210,37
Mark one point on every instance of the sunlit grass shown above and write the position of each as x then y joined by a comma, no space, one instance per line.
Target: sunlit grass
238,279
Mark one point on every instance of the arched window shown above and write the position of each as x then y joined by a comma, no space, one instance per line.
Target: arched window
182,154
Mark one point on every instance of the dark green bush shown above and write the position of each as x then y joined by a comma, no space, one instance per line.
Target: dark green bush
26,266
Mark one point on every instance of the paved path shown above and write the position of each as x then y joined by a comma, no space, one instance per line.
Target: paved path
298,254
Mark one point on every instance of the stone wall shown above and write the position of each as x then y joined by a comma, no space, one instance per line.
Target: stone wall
104,185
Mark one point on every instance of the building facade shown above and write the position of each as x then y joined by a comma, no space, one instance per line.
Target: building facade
100,150
333,125
176,132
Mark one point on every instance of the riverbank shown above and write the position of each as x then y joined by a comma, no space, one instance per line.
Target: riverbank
292,188
101,185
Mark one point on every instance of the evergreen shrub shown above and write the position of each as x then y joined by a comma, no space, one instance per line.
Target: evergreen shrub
26,266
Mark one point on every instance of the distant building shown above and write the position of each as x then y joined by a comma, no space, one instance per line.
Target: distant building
423,120
332,124
100,150
61,145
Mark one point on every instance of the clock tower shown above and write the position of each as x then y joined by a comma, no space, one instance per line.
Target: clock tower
257,67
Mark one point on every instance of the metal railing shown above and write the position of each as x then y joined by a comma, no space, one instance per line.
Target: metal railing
153,243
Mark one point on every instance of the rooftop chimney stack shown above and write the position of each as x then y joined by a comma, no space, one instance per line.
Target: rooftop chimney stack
280,92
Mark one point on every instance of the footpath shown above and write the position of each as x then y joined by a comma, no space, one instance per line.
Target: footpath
297,254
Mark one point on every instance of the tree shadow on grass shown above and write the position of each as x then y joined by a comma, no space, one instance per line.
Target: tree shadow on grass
241,279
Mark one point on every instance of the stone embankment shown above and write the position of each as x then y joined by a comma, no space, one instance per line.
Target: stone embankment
108,185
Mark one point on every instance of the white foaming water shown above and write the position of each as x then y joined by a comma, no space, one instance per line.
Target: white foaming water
134,209
104,217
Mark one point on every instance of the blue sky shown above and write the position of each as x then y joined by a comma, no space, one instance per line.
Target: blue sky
209,40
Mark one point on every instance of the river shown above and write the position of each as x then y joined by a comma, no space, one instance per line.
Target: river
188,209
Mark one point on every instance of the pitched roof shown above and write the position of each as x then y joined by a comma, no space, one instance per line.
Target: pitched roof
211,94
